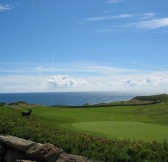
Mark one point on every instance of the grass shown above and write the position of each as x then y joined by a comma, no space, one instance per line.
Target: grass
140,132
125,130
151,120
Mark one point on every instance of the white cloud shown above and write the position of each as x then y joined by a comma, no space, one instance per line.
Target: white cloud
157,81
152,24
146,20
146,24
148,82
5,7
130,82
101,78
114,1
101,18
64,81
22,83
81,69
147,15
153,82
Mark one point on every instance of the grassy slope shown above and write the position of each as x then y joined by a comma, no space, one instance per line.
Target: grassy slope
150,120
137,118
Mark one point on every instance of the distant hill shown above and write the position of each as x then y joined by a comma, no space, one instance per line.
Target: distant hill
139,100
155,98
20,104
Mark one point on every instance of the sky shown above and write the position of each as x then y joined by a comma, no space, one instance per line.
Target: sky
84,45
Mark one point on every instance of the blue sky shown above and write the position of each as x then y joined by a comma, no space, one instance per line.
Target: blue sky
83,45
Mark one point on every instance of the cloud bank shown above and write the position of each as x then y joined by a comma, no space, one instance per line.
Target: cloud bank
82,78
64,83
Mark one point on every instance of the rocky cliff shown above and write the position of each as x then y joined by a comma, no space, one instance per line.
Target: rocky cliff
14,149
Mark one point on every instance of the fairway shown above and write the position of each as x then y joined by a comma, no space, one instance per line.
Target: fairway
139,122
125,130
142,122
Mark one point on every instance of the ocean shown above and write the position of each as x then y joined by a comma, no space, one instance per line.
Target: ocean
66,98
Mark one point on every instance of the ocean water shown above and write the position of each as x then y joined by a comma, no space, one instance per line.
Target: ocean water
66,98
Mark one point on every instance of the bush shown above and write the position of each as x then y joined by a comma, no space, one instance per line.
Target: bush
2,103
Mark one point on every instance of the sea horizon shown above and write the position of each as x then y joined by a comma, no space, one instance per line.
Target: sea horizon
67,98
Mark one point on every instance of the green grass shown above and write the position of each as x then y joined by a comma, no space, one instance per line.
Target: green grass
125,130
140,132
151,121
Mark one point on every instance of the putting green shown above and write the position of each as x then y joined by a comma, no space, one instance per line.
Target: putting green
125,130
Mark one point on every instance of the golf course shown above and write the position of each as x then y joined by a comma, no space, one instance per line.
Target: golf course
97,131
147,122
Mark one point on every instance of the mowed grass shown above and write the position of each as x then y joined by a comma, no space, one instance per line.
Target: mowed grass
125,130
147,122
